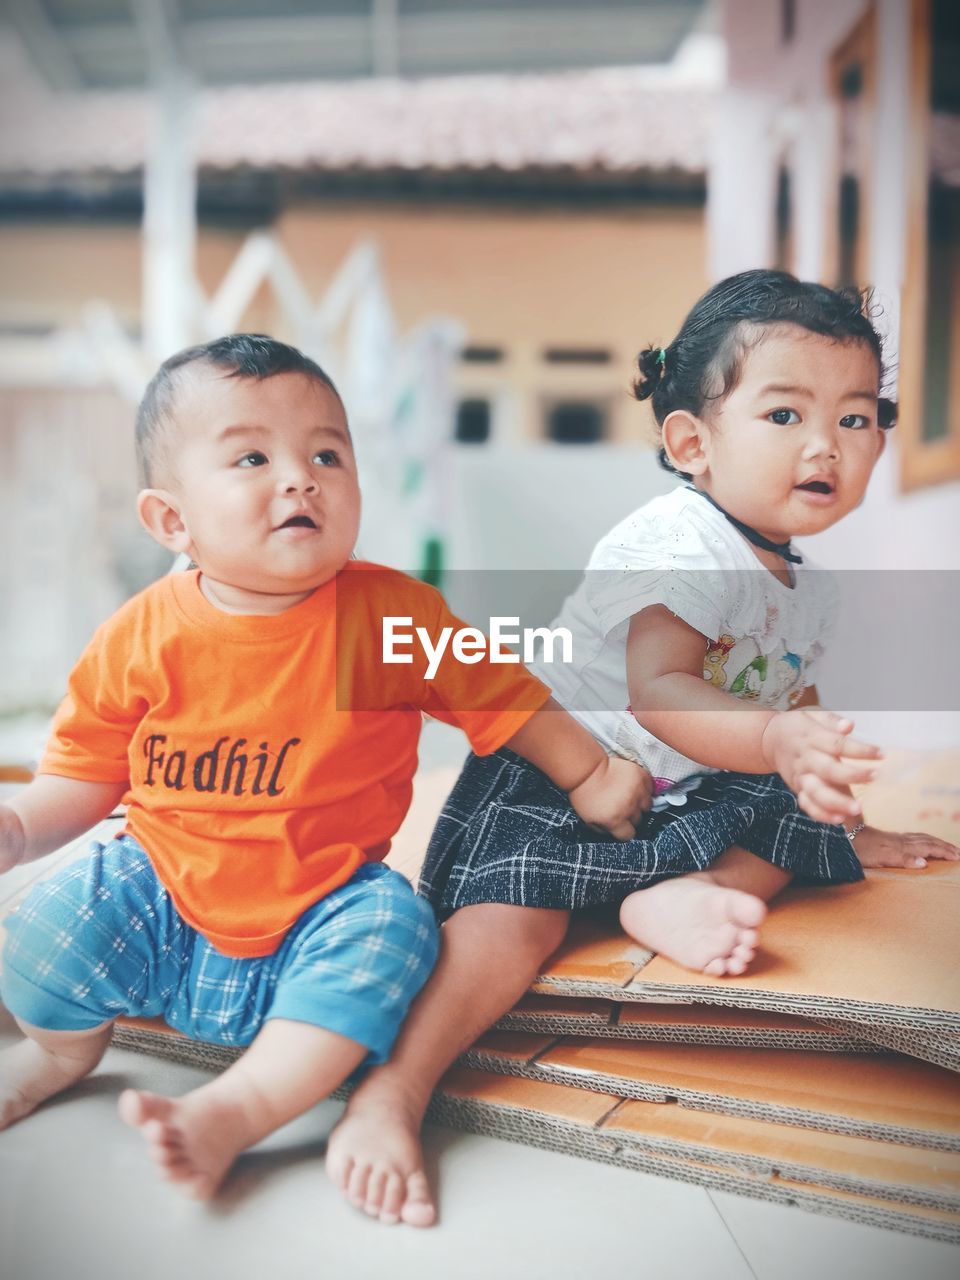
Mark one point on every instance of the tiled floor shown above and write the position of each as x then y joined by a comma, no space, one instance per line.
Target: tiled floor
79,1199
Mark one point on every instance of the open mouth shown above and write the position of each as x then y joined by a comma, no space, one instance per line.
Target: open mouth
816,486
298,522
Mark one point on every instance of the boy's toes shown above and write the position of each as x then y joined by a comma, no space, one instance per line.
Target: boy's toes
716,968
357,1186
376,1185
418,1209
339,1170
392,1198
140,1109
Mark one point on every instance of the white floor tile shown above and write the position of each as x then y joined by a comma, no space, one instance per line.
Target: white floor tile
781,1243
80,1200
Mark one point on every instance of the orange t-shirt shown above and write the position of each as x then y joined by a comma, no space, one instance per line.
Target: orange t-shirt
269,757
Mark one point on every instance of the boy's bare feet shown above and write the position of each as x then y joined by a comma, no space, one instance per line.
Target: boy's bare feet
696,922
193,1140
374,1156
31,1072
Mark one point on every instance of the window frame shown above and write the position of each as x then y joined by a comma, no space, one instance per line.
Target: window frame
922,462
858,46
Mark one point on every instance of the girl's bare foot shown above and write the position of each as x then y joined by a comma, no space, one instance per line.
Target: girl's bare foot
193,1140
374,1156
696,922
37,1068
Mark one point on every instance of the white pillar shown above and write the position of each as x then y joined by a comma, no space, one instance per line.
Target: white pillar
741,184
169,192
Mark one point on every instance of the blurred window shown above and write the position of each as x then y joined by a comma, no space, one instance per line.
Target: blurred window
783,228
576,421
577,355
473,421
788,20
929,420
482,355
852,78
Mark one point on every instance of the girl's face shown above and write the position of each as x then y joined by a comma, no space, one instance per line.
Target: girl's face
791,449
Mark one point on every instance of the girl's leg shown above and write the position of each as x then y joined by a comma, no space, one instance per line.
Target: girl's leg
44,1064
288,1068
707,920
489,956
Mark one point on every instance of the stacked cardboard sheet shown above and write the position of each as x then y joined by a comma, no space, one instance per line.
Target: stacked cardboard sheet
827,1077
779,1084
867,1180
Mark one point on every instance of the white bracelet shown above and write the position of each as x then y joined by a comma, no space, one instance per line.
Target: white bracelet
852,835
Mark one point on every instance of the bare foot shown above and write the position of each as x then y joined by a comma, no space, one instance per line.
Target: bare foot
193,1140
30,1072
374,1156
697,923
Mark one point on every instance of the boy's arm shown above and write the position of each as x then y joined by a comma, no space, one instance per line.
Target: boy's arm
50,812
605,791
808,746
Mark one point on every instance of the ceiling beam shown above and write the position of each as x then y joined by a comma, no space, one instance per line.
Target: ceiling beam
46,46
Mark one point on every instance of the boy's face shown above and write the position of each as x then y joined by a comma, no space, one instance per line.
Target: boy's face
264,482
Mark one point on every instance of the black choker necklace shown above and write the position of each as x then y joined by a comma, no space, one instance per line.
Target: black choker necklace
782,549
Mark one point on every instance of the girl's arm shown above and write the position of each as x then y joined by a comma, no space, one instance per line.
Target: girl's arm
606,792
50,812
809,747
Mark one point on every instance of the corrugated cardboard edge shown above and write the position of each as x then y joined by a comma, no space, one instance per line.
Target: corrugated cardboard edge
722,1037
742,1174
816,1008
173,1047
940,1052
625,1087
553,1134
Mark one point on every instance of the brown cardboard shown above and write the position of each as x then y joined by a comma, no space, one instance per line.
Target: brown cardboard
686,1024
884,1096
885,951
867,1180
890,1170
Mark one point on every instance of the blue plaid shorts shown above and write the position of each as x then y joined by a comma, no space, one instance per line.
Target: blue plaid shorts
102,938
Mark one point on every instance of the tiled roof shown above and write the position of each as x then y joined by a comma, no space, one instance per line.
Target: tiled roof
609,120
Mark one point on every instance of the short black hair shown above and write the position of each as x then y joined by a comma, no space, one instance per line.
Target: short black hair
240,355
704,362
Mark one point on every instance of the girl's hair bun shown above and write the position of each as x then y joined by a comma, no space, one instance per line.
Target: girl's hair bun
650,363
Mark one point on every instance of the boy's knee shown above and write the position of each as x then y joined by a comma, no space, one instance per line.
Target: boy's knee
413,915
83,1048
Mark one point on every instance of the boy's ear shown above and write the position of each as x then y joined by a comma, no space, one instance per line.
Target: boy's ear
684,436
159,514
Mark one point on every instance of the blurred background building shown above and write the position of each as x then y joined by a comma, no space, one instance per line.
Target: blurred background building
475,212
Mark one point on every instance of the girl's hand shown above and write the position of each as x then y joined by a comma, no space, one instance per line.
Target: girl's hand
11,839
614,797
812,751
901,848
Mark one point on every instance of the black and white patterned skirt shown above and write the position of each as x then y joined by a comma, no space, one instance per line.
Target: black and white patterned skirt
507,834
